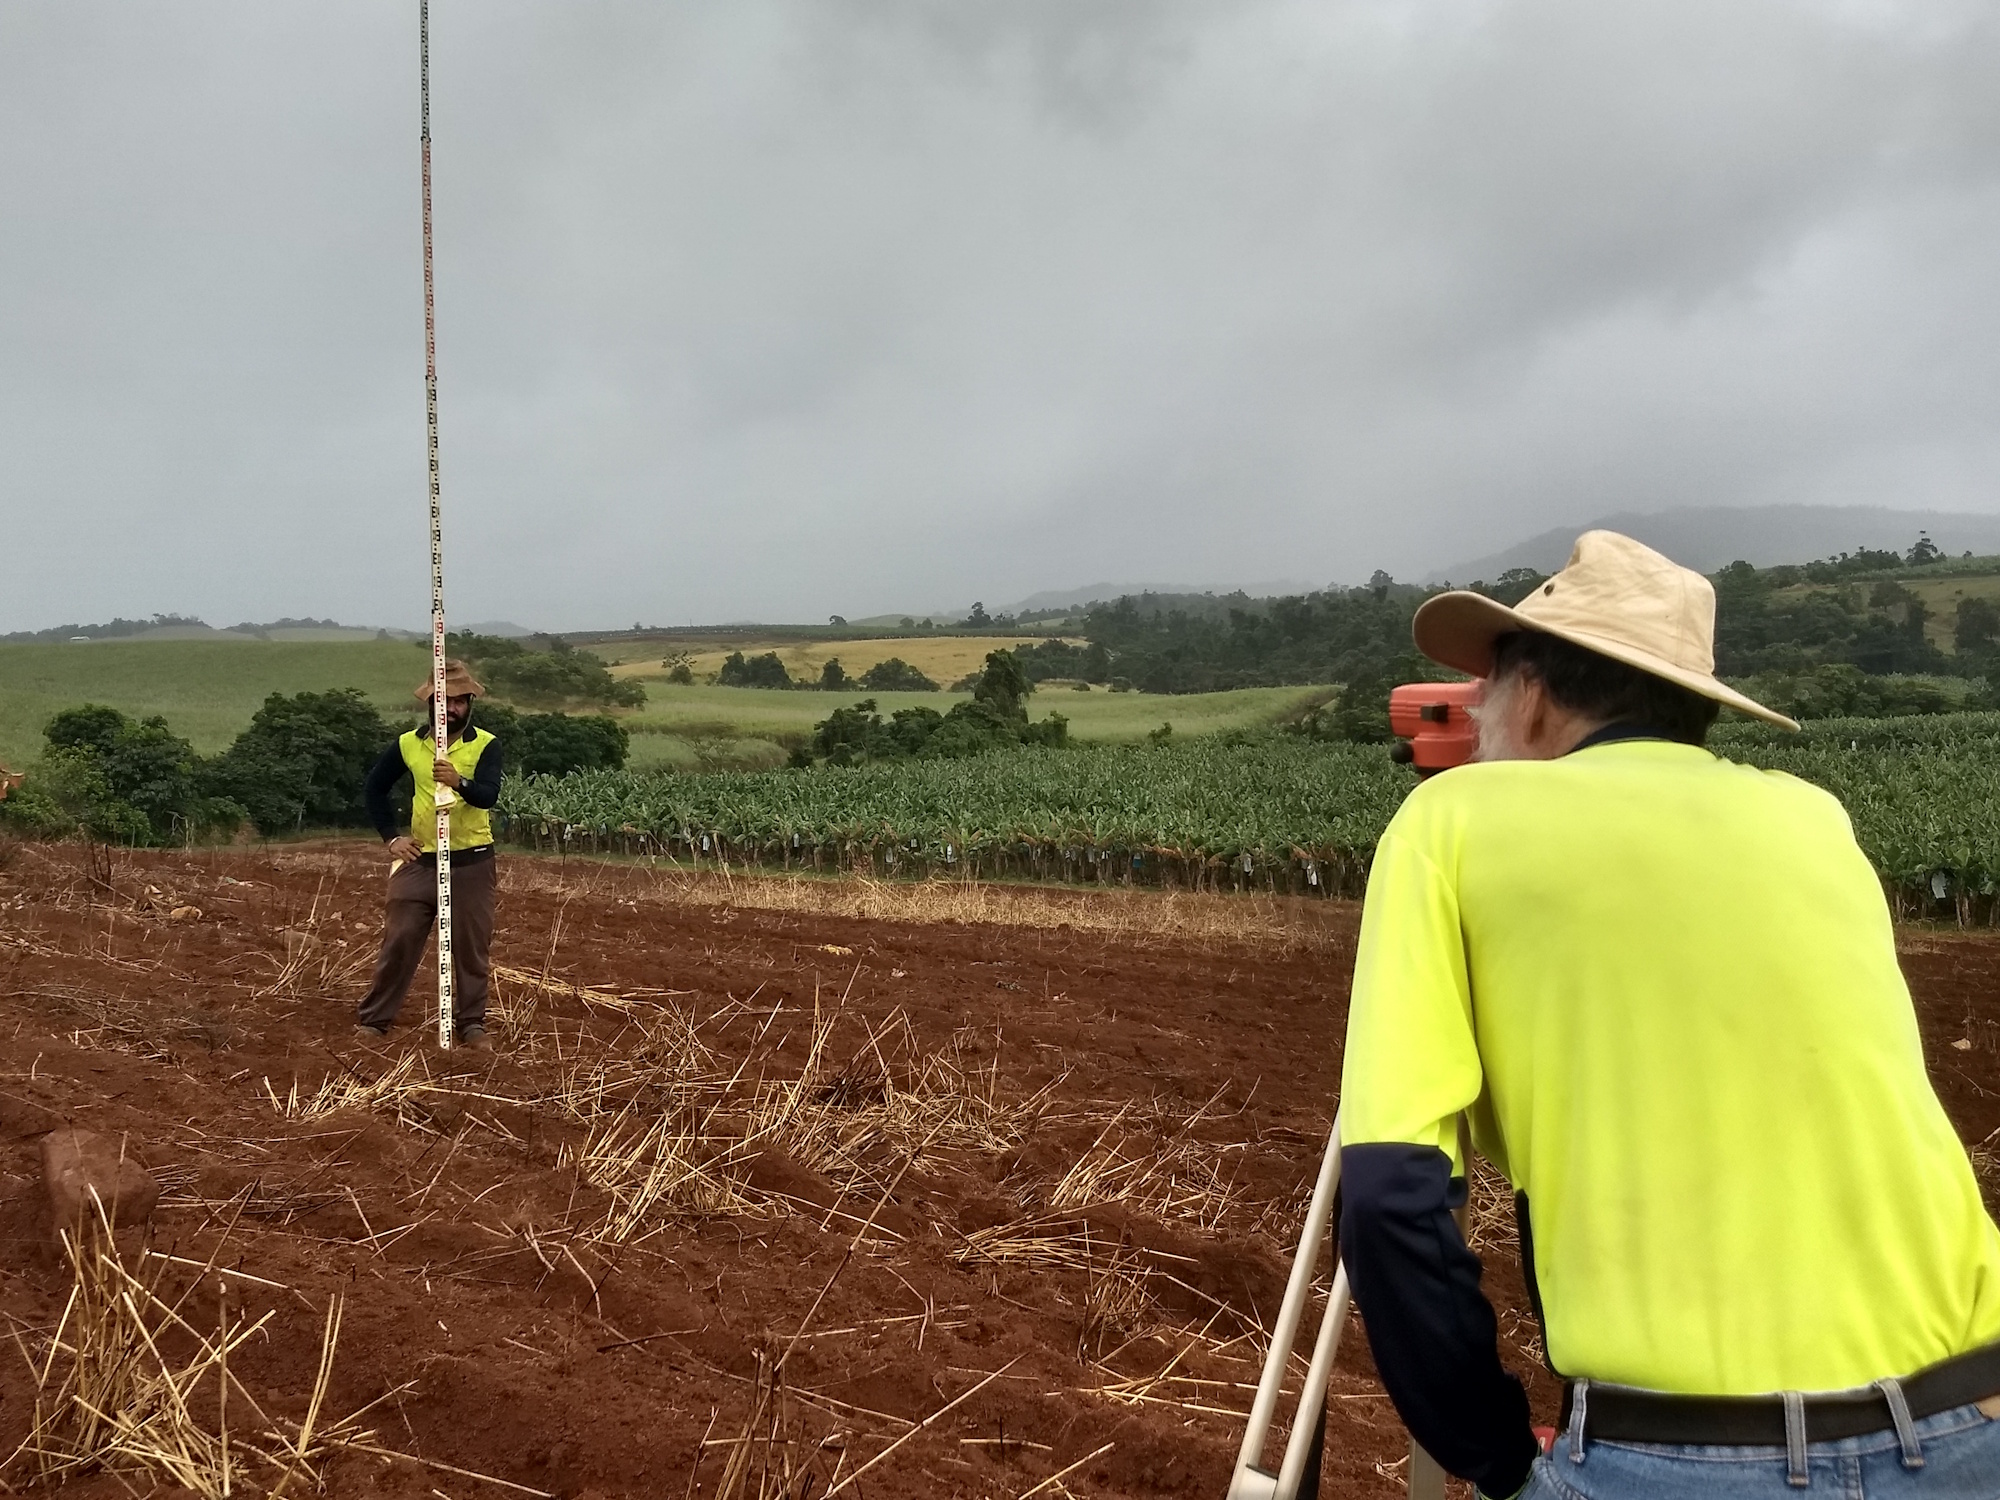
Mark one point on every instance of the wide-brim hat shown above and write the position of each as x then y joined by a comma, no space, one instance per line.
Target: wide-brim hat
458,683
1616,597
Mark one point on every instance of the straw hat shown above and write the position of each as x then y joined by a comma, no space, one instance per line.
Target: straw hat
458,682
1615,597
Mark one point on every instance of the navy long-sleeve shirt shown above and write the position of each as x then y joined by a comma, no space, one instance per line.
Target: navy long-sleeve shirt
1430,1327
481,791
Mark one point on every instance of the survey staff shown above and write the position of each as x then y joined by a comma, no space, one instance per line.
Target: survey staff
1663,987
471,766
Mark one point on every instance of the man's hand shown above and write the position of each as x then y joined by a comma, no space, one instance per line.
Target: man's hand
445,773
404,850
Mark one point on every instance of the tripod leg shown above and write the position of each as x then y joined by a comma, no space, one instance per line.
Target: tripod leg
1309,1480
1426,1477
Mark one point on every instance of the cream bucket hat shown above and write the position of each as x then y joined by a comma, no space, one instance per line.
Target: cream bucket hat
458,682
1616,597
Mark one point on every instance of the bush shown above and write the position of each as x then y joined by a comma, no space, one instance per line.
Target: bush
1059,659
995,719
1003,686
896,676
554,744
1836,690
109,777
302,761
764,671
833,677
67,795
1976,626
559,678
91,727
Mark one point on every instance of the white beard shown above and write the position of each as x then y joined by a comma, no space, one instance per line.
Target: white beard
1495,719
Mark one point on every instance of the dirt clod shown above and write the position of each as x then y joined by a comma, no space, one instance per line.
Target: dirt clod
80,1167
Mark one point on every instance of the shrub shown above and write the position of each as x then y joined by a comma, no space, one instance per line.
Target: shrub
1836,690
302,761
995,719
67,795
833,677
1003,686
109,777
896,676
558,678
1058,658
91,727
1976,626
764,671
554,744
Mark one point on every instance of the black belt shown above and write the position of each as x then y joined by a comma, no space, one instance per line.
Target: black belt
1621,1414
458,856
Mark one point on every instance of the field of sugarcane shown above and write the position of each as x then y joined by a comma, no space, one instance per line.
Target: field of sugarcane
1273,814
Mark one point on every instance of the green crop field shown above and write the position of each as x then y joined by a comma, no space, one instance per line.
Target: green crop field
1273,813
206,690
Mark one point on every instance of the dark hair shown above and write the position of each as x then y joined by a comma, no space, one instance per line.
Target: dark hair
1597,687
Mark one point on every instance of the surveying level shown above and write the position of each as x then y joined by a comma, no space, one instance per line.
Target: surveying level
1298,1472
1433,724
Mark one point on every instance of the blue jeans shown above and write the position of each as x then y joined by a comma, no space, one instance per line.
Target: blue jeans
1961,1452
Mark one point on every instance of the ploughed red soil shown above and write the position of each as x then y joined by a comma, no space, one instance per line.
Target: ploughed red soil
1015,1197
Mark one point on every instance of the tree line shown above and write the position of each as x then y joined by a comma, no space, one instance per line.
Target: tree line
995,718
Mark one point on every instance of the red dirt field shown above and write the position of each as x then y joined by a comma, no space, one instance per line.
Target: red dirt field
1013,1194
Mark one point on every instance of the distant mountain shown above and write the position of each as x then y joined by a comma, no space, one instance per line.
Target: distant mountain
1712,538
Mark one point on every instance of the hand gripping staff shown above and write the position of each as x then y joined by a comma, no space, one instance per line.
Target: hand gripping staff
440,726
1298,1473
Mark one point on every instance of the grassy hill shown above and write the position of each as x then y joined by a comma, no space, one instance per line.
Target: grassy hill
208,689
1940,585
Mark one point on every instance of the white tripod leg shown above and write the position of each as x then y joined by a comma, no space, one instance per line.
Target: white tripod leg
1251,1481
1426,1478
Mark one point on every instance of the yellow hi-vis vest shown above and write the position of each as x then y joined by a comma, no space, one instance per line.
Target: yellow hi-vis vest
470,827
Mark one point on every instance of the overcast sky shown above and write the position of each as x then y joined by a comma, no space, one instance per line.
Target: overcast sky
767,309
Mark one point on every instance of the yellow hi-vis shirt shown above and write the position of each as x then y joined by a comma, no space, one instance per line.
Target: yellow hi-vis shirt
470,826
1665,988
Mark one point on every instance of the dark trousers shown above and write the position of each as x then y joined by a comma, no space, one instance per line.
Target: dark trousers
406,932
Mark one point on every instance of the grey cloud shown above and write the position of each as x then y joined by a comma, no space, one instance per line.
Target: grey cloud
783,308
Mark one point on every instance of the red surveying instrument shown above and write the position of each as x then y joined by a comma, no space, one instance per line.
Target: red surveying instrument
1433,724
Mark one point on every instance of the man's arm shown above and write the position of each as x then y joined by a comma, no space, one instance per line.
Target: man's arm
382,778
1410,1067
484,788
1430,1328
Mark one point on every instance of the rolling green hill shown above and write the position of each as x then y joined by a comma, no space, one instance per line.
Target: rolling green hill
207,691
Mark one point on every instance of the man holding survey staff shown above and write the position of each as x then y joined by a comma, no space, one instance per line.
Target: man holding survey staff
470,765
1663,990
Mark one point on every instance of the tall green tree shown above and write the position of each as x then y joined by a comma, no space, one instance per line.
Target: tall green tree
303,760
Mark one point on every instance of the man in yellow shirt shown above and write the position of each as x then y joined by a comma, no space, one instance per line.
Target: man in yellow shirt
1663,989
470,765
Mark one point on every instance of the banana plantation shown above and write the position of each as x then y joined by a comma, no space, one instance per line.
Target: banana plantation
1276,814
